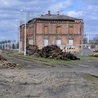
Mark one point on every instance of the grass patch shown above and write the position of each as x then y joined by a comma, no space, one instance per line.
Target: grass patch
47,61
20,53
50,60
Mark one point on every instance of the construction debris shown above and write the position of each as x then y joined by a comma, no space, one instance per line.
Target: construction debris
85,52
95,54
95,50
31,49
2,58
50,51
6,64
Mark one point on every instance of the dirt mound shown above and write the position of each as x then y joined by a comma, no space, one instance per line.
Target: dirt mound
2,58
50,51
6,64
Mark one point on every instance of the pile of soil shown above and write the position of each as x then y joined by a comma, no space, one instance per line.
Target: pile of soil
6,64
51,51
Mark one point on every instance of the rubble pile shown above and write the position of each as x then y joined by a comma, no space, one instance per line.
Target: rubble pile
51,51
85,52
6,64
95,50
2,58
95,54
31,49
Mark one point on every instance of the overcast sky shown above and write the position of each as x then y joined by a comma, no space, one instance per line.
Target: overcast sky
11,14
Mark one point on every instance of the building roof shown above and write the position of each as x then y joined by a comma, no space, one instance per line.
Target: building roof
56,17
50,16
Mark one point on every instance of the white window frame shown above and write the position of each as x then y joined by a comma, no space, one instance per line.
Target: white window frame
71,42
58,42
31,42
45,42
20,44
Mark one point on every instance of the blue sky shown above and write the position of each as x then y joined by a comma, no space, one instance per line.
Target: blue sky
11,16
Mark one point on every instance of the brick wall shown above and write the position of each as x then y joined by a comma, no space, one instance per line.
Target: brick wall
35,31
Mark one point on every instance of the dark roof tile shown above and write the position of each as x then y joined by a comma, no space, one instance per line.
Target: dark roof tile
56,17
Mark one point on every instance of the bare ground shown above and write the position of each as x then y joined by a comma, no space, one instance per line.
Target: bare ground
37,80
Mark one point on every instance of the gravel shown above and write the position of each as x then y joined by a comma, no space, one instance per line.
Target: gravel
43,83
85,52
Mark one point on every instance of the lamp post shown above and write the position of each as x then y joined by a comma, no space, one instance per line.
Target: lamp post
19,36
24,33
25,37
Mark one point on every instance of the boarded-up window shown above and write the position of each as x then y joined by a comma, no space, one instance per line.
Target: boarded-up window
70,30
20,44
58,42
45,42
58,29
70,42
46,30
31,42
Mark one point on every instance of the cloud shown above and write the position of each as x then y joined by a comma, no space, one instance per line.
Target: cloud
10,11
59,6
75,13
90,2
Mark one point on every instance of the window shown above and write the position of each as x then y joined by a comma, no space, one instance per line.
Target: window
45,42
20,44
70,42
46,30
31,42
58,29
58,42
70,30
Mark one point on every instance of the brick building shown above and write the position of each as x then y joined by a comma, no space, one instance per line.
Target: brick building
51,29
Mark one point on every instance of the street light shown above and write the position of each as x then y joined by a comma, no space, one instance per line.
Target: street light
24,34
25,38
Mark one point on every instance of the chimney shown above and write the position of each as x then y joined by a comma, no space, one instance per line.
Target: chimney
49,12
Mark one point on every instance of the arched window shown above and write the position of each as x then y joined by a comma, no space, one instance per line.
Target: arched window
58,29
46,29
70,29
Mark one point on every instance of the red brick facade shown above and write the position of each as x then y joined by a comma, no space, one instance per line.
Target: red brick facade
47,31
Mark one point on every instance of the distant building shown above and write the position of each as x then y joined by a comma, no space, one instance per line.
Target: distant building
51,29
